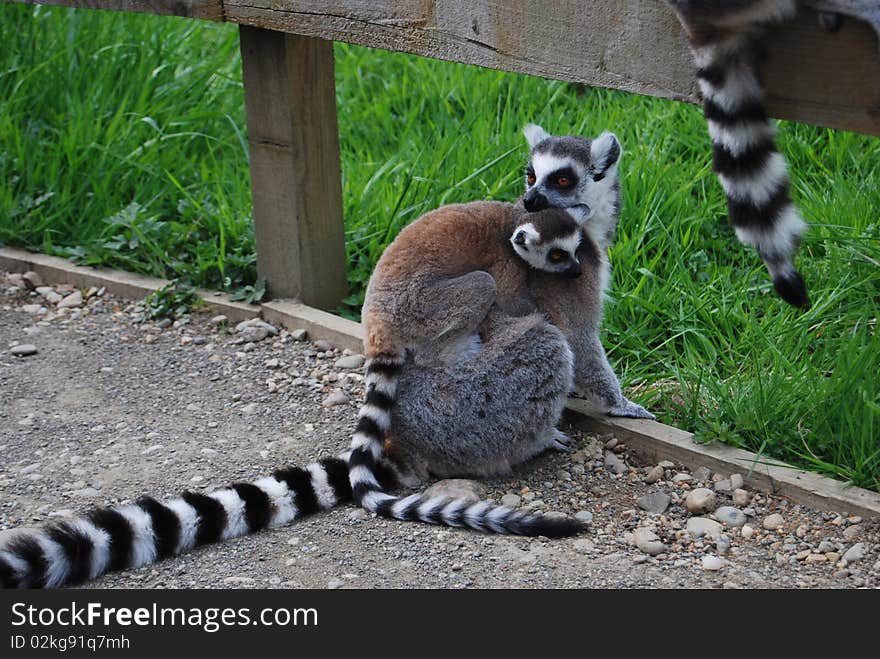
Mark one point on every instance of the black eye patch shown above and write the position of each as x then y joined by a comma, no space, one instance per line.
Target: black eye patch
564,178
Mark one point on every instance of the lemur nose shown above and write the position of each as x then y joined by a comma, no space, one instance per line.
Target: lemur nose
534,201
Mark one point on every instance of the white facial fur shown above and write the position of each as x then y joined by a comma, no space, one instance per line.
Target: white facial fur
535,253
575,203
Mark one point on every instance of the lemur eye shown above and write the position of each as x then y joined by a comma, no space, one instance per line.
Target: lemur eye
563,181
520,238
556,256
530,178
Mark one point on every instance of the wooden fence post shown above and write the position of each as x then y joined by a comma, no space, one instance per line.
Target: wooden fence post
290,102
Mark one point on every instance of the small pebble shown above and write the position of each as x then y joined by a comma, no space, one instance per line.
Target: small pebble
511,500
773,522
730,516
655,502
703,526
741,497
23,350
338,397
700,500
855,553
654,475
713,563
648,541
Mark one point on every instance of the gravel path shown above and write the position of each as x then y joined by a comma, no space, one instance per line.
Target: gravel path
107,409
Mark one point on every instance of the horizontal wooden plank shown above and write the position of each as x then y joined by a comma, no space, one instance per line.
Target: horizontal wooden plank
633,45
207,9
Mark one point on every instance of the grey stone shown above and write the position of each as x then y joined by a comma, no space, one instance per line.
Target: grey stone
33,308
682,477
736,481
713,563
741,497
32,280
773,522
323,345
219,320
511,500
700,500
49,294
647,541
164,323
702,473
254,334
855,553
72,301
654,475
614,464
730,516
457,488
850,533
351,361
723,486
825,546
23,350
655,502
249,409
337,397
299,335
335,584
703,526
584,516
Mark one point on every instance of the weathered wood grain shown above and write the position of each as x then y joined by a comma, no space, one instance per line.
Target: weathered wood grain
207,9
290,104
632,45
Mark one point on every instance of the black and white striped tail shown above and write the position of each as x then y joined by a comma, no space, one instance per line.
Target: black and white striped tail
129,536
367,447
751,170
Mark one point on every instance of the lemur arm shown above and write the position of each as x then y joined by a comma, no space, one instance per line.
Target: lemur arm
460,304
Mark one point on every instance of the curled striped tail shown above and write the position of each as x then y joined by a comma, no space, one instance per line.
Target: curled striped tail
751,170
374,420
129,536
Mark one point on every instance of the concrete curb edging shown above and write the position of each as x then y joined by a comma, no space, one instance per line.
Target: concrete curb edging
650,440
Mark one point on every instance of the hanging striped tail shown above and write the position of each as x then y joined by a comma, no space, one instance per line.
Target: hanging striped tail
751,170
129,536
367,445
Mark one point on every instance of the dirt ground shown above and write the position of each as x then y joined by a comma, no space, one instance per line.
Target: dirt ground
108,409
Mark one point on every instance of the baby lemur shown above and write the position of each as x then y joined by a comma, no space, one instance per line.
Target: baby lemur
456,383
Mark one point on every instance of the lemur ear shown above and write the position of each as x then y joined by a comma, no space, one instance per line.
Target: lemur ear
535,134
604,152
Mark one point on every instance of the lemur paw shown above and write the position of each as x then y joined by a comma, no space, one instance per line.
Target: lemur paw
632,410
559,441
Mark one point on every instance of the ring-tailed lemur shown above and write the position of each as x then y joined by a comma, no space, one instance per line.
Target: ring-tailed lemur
724,36
433,289
128,536
580,175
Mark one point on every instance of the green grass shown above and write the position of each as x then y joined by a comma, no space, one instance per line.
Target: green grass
121,143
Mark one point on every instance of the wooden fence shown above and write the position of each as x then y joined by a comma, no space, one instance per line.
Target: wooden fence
632,45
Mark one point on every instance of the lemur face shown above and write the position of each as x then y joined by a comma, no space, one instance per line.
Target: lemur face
549,241
568,172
